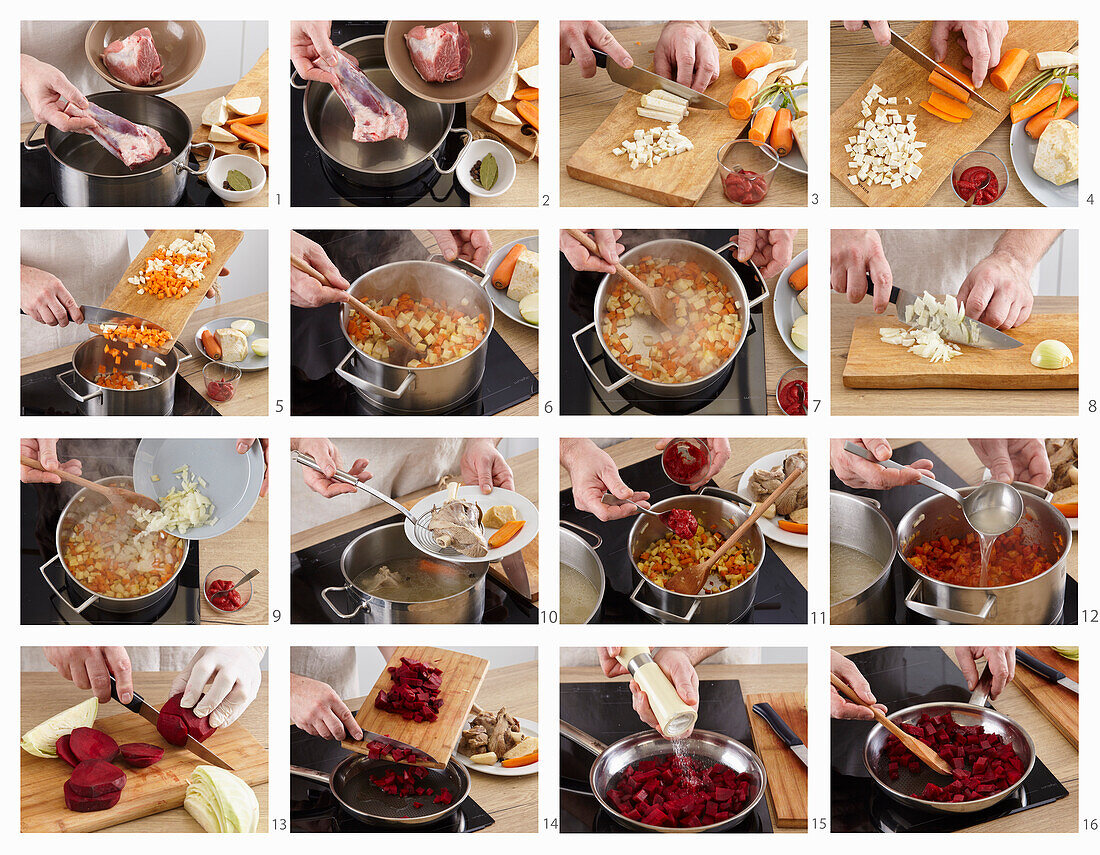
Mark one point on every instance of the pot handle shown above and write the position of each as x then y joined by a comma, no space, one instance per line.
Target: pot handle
82,606
463,265
728,495
324,596
1024,487
75,395
310,774
655,612
914,603
186,167
178,345
867,500
294,76
583,530
575,734
764,285
363,385
28,145
468,139
588,367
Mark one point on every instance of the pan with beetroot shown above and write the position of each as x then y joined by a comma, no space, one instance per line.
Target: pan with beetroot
712,784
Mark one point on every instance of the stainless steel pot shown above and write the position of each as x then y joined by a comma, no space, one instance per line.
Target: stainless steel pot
389,543
389,163
575,552
858,523
156,399
682,251
1036,601
87,175
711,507
432,389
82,503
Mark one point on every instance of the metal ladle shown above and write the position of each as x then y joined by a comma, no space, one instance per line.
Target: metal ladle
991,509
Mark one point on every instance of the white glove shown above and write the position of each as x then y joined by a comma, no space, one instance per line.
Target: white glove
233,674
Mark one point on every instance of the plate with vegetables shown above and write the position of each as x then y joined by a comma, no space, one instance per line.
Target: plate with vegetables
762,477
235,341
1026,139
519,760
514,280
790,302
511,521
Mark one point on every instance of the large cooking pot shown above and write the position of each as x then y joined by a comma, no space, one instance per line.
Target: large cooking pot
682,251
434,388
858,523
575,552
85,174
156,399
711,506
389,543
82,503
1039,600
389,163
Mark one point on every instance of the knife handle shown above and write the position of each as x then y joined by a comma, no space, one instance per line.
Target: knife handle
776,723
1039,667
601,58
893,290
135,702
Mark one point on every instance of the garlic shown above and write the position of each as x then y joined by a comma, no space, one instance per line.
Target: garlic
1051,354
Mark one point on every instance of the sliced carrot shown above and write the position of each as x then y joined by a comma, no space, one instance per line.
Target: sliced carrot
762,125
1011,64
502,276
505,533
959,74
529,112
752,57
250,135
740,102
530,93
799,279
254,119
947,104
525,760
1039,101
949,86
1067,509
939,114
793,527
1037,124
782,138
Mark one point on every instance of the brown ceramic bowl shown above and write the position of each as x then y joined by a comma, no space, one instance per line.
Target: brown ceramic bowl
492,48
181,45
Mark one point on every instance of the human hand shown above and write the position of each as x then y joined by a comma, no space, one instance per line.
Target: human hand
93,667
45,298
576,40
769,249
484,465
327,456
1011,460
593,473
45,452
862,474
840,706
317,709
981,40
1001,661
242,448
997,291
879,29
676,664
469,244
719,454
580,258
45,87
305,291
855,253
233,676
311,41
686,53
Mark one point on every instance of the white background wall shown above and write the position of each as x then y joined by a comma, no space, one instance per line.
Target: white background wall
232,48
1058,271
247,266
369,661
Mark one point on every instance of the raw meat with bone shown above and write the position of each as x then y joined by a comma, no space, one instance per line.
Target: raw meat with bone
439,54
134,59
377,116
130,143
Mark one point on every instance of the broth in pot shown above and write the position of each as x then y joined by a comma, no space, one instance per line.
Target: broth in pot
414,580
850,571
578,596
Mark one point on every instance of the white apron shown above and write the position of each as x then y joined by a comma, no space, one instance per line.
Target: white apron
938,260
60,44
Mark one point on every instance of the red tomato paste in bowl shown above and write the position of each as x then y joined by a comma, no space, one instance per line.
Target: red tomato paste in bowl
685,460
974,177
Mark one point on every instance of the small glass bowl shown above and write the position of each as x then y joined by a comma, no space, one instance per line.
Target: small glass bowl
227,573
744,155
691,441
220,374
799,372
980,157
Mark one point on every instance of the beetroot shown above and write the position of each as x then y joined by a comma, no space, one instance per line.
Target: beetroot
87,743
94,778
401,782
377,750
176,723
86,804
65,752
414,694
140,754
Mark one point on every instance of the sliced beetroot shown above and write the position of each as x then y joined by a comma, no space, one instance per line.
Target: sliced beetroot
176,723
140,754
87,804
94,778
65,752
414,694
87,743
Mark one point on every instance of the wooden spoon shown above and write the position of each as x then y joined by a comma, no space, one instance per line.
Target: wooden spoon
385,324
115,495
923,752
691,581
658,302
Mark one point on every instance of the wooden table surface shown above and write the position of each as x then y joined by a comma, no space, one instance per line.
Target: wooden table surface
44,693
744,453
244,547
512,802
753,678
584,104
1056,752
927,402
853,57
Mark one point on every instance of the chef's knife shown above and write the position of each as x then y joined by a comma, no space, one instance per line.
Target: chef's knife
783,730
417,755
102,317
645,82
139,705
1048,672
981,335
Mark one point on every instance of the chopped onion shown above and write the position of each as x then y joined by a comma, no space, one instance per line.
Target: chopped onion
182,509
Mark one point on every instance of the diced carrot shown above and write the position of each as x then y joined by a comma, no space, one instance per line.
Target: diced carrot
1012,62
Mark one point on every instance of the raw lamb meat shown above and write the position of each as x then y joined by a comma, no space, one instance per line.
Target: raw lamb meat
134,59
130,143
377,116
439,53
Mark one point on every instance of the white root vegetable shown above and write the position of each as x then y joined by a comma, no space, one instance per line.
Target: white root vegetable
1048,59
761,74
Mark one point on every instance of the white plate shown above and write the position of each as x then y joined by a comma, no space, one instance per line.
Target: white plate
769,528
500,298
785,306
252,362
233,480
793,160
1021,148
529,728
1071,520
525,510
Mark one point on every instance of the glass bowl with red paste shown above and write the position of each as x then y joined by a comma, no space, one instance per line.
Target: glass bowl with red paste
685,460
221,381
792,393
971,171
746,170
222,578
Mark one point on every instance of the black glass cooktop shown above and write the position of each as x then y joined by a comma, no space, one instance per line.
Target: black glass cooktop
604,710
739,391
902,677
897,502
40,394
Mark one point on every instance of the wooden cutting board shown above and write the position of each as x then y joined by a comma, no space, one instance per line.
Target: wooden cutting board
462,678
787,778
148,791
678,181
1057,703
254,84
900,77
531,560
173,315
873,364
526,56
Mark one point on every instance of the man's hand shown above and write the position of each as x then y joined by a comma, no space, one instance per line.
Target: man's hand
1011,460
311,41
242,448
317,709
997,291
593,473
854,254
840,706
45,452
862,474
769,249
325,453
981,40
305,291
484,465
686,53
93,667
576,40
469,244
719,454
1002,665
880,30
45,88
579,258
46,299
677,665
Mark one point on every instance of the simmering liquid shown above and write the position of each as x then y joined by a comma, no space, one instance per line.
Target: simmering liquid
578,596
850,571
983,521
414,580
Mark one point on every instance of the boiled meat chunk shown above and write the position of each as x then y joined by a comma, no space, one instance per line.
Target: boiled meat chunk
457,525
130,143
439,54
764,482
377,116
134,59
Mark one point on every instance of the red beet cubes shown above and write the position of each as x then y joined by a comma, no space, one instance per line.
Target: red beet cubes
666,792
414,694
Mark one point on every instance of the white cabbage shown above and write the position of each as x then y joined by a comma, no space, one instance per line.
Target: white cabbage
221,802
41,741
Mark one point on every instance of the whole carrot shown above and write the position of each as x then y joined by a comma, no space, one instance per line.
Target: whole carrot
1037,124
762,125
782,138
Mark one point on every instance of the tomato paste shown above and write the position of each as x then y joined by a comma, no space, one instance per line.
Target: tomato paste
225,602
685,460
793,396
682,522
745,187
974,177
220,390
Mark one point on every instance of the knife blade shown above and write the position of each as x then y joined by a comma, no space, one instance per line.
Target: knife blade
113,317
981,335
641,80
1046,671
390,744
147,711
783,730
926,62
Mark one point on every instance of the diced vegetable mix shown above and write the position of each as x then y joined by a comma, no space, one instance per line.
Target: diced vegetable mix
130,334
407,782
958,561
441,333
414,694
119,380
671,792
666,557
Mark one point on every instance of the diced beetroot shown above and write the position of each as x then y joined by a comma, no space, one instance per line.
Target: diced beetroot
87,743
176,723
414,693
87,804
65,752
93,778
140,754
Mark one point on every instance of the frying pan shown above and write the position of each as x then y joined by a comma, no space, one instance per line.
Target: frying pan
351,787
702,745
973,713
